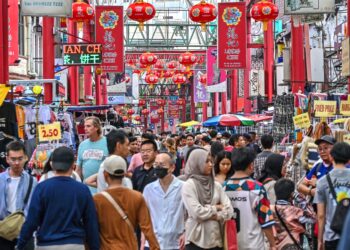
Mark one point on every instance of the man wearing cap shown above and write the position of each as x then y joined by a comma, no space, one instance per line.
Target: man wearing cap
118,233
61,210
320,168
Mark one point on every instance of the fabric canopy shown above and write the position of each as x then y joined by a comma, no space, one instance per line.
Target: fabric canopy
228,120
189,124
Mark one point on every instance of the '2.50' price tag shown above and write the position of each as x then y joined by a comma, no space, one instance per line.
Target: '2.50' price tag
50,132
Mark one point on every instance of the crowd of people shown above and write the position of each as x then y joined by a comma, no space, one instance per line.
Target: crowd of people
175,191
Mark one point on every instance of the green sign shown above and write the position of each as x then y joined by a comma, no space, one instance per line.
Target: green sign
82,54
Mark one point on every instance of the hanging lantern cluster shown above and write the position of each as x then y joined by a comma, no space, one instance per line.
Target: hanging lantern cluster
145,112
160,111
82,12
148,59
168,74
137,118
160,102
131,112
141,12
151,79
203,13
264,11
179,79
142,102
187,59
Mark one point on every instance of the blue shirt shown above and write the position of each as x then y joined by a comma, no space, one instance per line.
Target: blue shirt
167,212
62,212
321,170
22,189
90,156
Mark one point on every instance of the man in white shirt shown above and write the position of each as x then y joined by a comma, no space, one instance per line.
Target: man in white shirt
163,198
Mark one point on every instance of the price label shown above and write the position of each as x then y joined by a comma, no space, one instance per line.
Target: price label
302,121
50,132
325,108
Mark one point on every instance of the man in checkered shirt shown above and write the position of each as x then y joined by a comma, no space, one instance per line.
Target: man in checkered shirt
267,144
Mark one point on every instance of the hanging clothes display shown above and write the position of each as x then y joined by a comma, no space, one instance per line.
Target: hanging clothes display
8,119
283,116
31,123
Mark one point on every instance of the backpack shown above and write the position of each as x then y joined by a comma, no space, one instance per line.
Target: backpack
341,210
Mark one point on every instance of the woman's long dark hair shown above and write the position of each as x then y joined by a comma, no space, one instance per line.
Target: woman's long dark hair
47,166
219,157
272,167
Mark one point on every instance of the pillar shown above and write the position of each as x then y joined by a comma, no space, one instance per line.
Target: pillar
98,89
73,70
297,59
269,61
204,111
234,90
48,57
4,52
216,104
87,69
193,104
224,102
103,86
247,102
348,34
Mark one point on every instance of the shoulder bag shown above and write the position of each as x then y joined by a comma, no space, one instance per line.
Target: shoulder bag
11,225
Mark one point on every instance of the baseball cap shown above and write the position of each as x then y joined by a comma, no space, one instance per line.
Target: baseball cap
115,165
327,139
62,158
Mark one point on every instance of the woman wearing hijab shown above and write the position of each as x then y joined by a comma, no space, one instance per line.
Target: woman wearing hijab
273,170
206,203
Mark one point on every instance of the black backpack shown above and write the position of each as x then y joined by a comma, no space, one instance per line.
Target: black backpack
341,210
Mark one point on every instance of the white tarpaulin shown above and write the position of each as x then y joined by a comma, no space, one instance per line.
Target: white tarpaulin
298,7
54,8
221,87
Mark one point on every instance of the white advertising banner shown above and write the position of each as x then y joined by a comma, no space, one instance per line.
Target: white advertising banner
217,88
54,8
302,7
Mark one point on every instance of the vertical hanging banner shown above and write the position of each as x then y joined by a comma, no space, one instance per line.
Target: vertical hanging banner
232,35
109,32
200,90
13,30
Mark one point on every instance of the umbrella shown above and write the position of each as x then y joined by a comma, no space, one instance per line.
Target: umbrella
189,124
228,120
259,118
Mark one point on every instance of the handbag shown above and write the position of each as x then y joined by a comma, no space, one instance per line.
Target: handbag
11,225
230,235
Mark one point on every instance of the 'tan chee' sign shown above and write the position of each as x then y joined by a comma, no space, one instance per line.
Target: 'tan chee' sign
82,54
345,108
325,108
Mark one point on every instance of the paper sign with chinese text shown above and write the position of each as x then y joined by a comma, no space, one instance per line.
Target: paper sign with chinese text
50,132
302,121
325,108
345,108
200,90
110,33
232,35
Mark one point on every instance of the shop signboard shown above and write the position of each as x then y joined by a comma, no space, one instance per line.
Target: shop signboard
13,31
50,132
345,108
109,32
297,7
345,57
302,121
325,108
82,54
200,90
55,8
232,35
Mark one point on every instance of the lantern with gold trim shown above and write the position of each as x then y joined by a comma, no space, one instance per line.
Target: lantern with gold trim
151,79
179,79
82,11
141,12
264,11
203,13
187,59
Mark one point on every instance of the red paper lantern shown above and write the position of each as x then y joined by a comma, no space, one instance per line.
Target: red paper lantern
142,102
82,12
179,79
148,59
172,65
141,12
168,74
125,118
131,112
19,89
160,102
187,59
130,62
151,79
160,111
145,112
203,13
203,79
137,118
264,11
141,66
180,101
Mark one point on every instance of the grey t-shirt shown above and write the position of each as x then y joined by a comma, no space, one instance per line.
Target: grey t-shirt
341,182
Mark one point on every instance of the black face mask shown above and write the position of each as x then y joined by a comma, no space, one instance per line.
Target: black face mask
161,172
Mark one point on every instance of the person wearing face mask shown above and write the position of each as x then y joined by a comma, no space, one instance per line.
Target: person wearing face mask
163,198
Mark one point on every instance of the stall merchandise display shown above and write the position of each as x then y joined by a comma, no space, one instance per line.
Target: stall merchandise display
283,116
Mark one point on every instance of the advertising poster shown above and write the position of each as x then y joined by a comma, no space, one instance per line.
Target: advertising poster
54,8
295,7
232,35
109,32
214,74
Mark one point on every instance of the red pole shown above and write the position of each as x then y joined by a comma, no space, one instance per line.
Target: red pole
234,90
87,69
216,104
98,89
193,105
73,71
224,102
48,57
103,84
204,111
297,59
269,60
4,50
247,102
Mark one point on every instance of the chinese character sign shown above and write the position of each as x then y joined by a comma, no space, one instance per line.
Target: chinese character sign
82,54
109,32
13,31
200,90
232,35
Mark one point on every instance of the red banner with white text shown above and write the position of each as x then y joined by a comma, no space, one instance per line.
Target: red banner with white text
109,32
13,31
232,35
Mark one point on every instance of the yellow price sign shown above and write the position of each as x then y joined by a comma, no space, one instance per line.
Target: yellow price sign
325,108
50,132
302,120
345,108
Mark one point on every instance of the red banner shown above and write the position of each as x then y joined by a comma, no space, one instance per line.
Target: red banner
109,32
13,31
173,110
232,35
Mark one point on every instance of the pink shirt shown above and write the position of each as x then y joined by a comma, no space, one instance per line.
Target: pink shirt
135,161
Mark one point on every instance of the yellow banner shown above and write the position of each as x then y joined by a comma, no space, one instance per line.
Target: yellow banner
302,120
346,138
345,108
50,132
3,93
325,108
